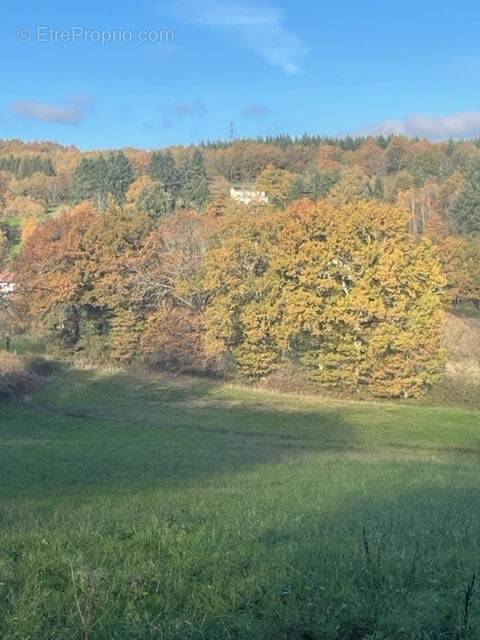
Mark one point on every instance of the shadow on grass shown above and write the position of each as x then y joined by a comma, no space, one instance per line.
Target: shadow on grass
405,566
113,431
393,567
371,552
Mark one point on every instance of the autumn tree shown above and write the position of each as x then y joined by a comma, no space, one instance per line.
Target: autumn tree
113,242
172,340
136,187
422,203
52,275
169,286
344,290
353,184
370,157
155,200
276,183
330,158
167,269
23,207
460,257
241,321
29,227
47,190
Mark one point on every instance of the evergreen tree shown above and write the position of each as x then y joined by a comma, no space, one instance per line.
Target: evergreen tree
119,175
195,191
95,179
299,188
321,183
90,181
465,211
25,166
162,167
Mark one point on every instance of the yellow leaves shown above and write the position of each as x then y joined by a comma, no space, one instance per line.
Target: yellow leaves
329,158
275,183
23,207
126,327
351,186
344,288
460,257
137,187
28,229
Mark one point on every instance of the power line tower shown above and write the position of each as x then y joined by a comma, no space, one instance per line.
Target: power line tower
232,130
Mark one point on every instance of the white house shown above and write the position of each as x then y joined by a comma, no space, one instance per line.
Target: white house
7,285
248,195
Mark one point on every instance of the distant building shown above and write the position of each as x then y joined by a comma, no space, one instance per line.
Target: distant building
7,285
248,195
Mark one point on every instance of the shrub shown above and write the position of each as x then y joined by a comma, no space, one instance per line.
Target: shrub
41,366
9,363
171,341
15,378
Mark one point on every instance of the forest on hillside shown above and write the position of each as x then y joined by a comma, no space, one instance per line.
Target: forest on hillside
345,274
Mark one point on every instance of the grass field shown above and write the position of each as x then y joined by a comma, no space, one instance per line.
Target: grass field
151,507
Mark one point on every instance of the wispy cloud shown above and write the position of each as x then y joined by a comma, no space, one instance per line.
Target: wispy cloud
182,110
71,112
457,125
255,111
196,108
260,29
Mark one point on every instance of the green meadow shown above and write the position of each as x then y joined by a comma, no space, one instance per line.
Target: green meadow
141,506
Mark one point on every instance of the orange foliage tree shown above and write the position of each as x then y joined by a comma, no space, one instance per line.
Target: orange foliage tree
344,290
52,275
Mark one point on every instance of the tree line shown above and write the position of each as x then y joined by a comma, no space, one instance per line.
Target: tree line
342,291
344,274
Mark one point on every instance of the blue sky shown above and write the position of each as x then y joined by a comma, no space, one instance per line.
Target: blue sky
271,67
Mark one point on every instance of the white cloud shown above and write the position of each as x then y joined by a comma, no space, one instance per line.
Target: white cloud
259,29
457,125
72,112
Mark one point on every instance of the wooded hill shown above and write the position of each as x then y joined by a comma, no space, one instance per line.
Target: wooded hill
128,253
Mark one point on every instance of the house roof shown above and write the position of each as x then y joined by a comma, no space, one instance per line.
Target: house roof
244,186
